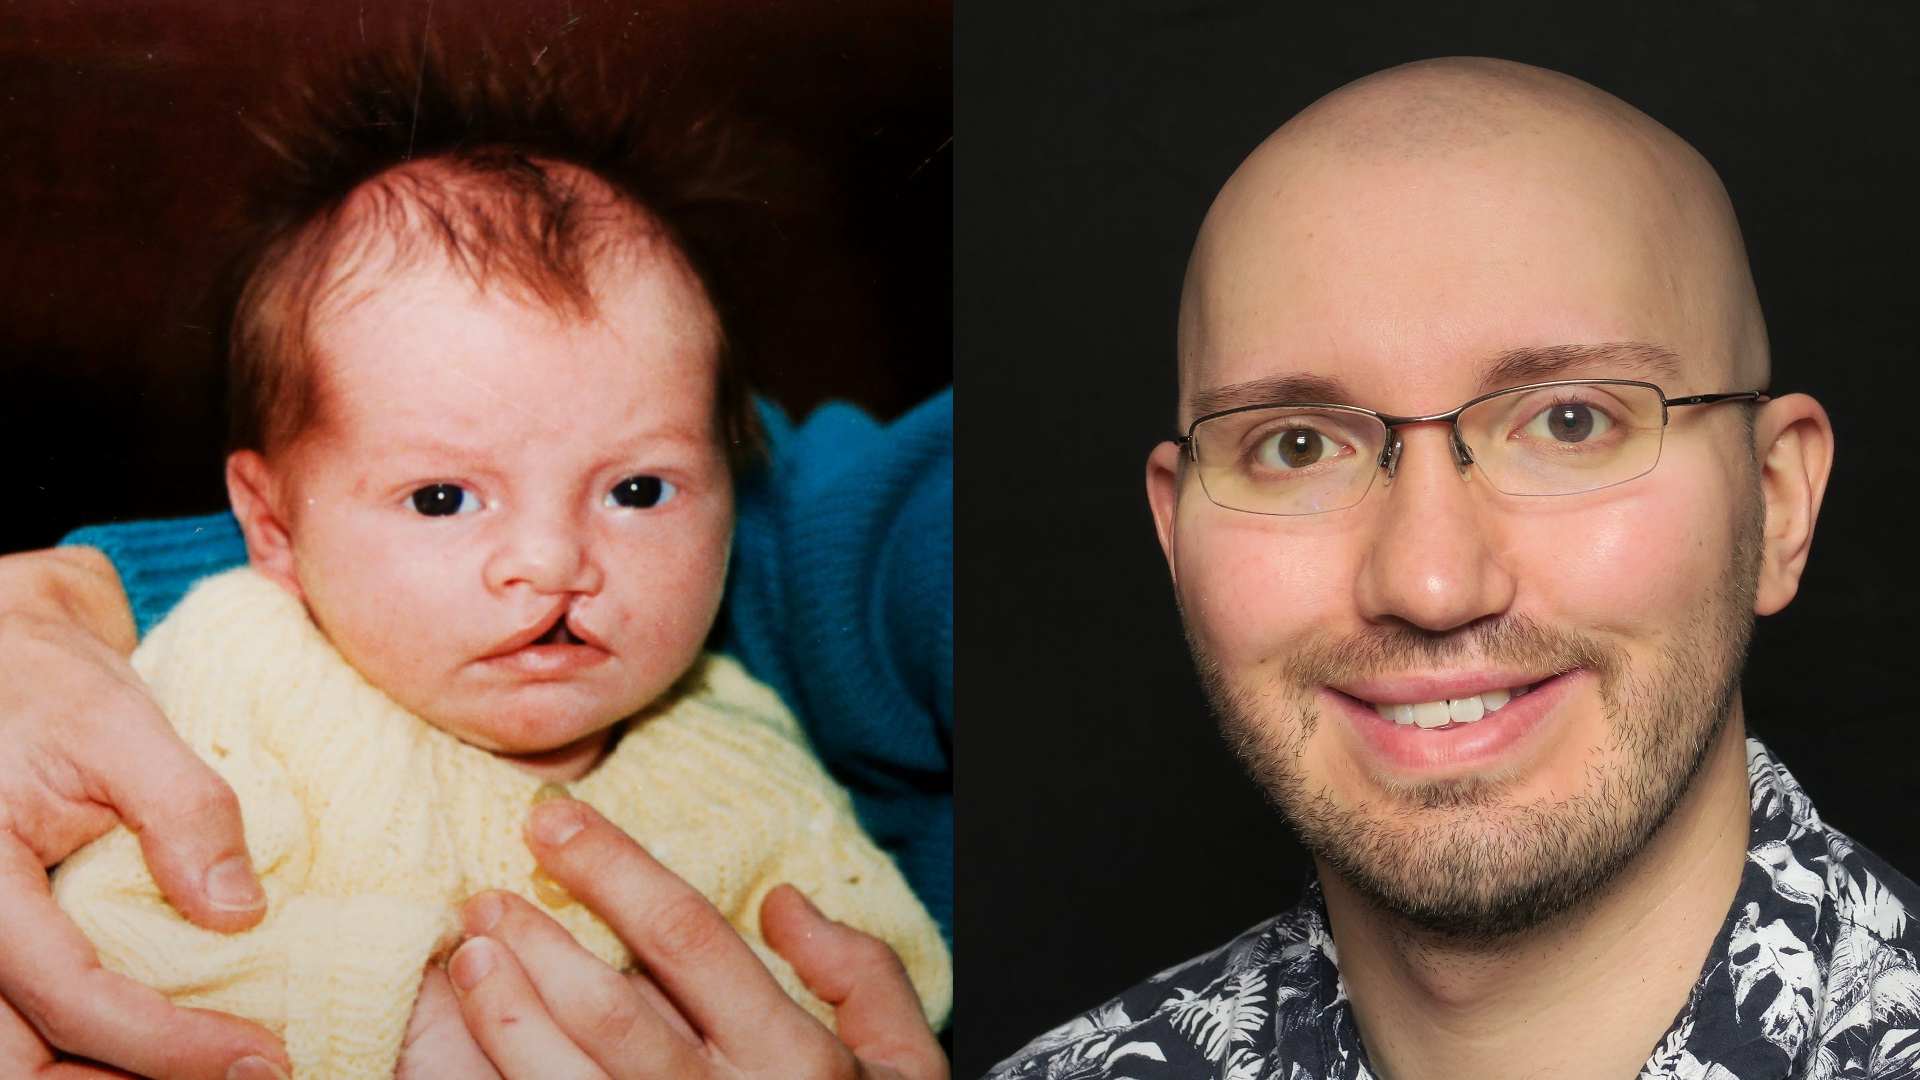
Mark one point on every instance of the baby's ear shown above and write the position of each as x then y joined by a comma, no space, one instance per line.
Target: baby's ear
254,492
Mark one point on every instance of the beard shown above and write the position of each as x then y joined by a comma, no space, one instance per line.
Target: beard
1460,858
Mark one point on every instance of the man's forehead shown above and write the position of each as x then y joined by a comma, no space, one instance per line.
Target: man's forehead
1334,385
1539,242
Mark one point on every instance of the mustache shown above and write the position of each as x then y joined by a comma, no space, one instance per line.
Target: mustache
1507,641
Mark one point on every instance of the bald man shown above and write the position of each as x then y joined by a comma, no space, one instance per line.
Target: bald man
1476,494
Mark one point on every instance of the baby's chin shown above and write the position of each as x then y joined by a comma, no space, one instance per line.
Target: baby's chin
569,762
553,743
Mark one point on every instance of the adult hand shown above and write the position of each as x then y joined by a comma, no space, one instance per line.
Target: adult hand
542,1006
81,746
437,1045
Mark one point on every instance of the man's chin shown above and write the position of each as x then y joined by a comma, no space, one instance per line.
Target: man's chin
1477,872
1477,860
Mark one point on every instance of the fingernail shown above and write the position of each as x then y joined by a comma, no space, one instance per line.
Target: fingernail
471,963
231,886
555,823
483,911
551,893
255,1068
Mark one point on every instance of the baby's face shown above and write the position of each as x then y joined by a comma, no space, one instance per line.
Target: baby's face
514,523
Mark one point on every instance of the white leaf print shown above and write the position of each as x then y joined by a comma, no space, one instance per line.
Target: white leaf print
1671,1060
1790,879
1775,793
1214,1023
1141,1048
1895,1055
1870,904
1756,952
1896,995
1243,1065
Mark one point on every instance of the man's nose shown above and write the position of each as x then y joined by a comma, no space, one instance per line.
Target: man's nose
1431,559
544,553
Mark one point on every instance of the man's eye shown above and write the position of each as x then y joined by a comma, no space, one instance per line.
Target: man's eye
444,500
1294,448
641,492
1570,422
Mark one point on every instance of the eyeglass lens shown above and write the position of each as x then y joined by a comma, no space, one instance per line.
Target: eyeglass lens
1547,440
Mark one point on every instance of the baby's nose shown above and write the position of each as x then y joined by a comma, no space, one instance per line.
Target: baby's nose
549,558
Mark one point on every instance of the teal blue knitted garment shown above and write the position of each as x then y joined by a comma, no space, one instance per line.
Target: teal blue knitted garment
840,597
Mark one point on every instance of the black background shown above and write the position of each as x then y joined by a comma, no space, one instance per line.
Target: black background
1104,831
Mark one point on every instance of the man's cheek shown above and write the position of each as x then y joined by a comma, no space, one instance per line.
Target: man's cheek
1617,564
1250,592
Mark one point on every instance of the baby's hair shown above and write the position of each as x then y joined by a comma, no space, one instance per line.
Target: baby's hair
394,156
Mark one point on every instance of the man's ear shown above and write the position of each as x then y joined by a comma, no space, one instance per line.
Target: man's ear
1793,442
257,497
1163,496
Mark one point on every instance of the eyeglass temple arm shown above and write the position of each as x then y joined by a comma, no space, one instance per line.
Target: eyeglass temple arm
1759,397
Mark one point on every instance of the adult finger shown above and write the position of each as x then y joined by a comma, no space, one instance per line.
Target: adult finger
685,944
607,1015
437,1044
876,1011
508,1019
24,1053
49,973
186,816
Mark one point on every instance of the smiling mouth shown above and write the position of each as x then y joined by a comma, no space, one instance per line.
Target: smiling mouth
1449,713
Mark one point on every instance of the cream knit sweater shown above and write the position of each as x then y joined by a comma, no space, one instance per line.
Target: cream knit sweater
369,827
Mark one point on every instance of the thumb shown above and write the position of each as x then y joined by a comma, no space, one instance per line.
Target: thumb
876,1011
188,821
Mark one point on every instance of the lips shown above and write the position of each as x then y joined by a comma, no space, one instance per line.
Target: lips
1411,749
558,629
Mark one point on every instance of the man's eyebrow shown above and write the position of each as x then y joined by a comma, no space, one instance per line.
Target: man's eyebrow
1271,389
1617,359
1607,360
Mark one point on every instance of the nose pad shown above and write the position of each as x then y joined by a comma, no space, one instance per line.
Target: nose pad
1462,454
1390,455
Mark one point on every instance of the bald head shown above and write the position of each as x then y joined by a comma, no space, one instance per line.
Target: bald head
1424,222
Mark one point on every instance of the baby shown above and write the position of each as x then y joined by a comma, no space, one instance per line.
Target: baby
486,487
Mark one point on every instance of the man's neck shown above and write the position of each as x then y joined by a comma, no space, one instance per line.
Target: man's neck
1587,995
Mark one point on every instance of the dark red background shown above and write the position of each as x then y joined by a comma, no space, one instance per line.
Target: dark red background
122,140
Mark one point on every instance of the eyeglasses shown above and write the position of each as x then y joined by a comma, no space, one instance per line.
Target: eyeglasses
1550,438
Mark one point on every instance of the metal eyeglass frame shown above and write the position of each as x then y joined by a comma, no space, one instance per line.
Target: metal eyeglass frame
1463,455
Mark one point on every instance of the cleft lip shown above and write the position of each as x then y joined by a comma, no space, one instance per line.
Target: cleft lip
1413,688
533,632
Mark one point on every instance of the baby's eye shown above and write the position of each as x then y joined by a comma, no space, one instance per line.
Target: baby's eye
641,492
444,500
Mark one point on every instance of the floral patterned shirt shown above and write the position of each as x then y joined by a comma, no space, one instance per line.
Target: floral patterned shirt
1813,975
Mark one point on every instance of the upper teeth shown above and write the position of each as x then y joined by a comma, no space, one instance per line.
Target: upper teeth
1466,710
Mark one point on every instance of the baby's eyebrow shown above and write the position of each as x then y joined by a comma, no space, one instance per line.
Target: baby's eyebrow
676,436
432,446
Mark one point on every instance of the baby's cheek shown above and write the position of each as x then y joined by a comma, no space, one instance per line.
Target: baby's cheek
669,597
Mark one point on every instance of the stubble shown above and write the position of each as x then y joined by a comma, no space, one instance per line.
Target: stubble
1461,858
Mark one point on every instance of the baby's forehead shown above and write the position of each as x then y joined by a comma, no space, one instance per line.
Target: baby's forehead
419,342
547,234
